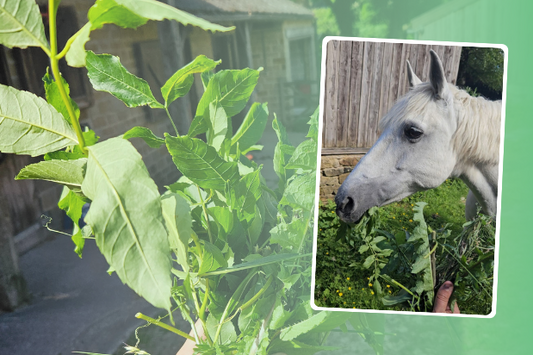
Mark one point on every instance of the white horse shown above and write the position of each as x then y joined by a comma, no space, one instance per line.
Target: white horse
434,132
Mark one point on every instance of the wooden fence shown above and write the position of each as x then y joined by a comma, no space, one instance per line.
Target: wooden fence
363,80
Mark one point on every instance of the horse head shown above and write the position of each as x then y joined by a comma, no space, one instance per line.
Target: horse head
414,152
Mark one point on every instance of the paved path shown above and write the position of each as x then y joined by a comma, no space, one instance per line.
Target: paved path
75,305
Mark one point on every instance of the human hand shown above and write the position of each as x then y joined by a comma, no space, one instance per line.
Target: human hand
442,300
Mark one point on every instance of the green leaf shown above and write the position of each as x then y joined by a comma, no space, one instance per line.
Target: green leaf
212,259
300,192
201,163
21,24
245,194
126,218
54,97
304,156
72,205
231,88
223,216
368,261
180,83
363,248
106,73
303,327
29,125
313,125
252,128
271,259
289,235
147,136
67,172
402,296
227,331
130,14
218,126
76,55
178,221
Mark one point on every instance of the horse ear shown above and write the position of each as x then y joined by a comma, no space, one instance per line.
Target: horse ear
413,79
437,77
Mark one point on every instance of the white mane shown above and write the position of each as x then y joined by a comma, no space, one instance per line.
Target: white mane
477,138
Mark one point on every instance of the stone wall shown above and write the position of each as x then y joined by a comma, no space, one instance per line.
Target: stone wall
334,169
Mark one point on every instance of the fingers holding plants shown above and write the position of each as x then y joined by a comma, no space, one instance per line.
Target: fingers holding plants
443,298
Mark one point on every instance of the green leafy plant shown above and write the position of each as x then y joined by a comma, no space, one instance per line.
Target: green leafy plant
218,246
398,255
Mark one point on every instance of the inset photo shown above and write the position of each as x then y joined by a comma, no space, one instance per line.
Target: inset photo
409,179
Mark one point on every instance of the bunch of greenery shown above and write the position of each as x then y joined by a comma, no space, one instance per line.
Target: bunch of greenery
219,246
395,260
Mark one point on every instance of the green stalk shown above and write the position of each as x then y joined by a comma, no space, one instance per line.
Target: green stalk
54,63
172,121
164,326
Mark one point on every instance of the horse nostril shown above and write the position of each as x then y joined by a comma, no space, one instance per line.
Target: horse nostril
346,206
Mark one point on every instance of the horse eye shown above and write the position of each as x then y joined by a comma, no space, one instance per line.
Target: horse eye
413,133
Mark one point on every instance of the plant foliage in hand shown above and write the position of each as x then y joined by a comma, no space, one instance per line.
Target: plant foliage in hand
219,246
397,257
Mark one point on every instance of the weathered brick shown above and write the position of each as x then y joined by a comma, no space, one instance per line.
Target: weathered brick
333,171
329,162
329,181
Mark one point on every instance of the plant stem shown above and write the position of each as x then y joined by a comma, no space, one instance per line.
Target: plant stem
164,326
172,121
204,302
205,213
54,60
69,43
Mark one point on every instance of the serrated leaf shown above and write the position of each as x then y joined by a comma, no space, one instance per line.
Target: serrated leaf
29,125
54,97
126,219
67,172
271,259
231,88
178,221
313,125
227,331
180,83
303,327
21,24
252,128
106,73
201,163
304,156
146,135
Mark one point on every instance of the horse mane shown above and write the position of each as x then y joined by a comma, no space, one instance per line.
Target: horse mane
477,138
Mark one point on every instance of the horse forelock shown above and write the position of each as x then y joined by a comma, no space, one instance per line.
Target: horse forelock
477,137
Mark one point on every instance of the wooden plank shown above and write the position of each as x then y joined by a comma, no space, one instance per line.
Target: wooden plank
330,121
397,51
375,91
356,71
388,56
365,93
343,92
344,151
456,61
423,62
413,59
403,81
